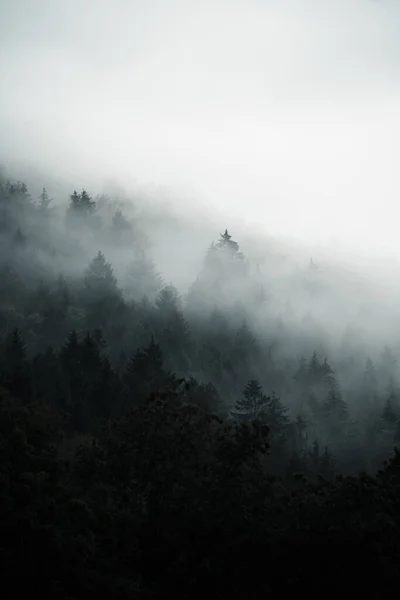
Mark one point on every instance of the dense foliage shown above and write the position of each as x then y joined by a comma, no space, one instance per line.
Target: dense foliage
159,446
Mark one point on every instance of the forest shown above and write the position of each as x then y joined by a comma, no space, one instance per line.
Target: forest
233,438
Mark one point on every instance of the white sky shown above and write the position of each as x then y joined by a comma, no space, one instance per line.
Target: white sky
284,112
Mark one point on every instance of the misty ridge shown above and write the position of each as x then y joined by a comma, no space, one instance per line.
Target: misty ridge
224,310
154,433
199,299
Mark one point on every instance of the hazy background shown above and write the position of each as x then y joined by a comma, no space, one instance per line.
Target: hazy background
284,113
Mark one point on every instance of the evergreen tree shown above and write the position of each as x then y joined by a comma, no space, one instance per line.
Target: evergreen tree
334,405
82,205
276,414
172,330
44,200
245,348
226,244
119,223
253,405
145,374
99,278
69,352
121,229
142,278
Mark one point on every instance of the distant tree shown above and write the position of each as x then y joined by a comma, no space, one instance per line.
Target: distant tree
17,196
253,404
121,229
276,415
245,349
99,277
44,200
225,243
172,329
82,205
142,278
334,406
145,374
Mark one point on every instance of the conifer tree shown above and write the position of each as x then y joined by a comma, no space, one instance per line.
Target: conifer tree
144,373
99,277
276,414
253,404
82,205
142,278
44,200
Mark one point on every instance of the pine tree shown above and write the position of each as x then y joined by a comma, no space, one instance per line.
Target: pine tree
121,229
82,205
99,277
69,353
253,404
120,223
44,200
276,414
144,373
335,407
142,278
225,243
173,330
245,348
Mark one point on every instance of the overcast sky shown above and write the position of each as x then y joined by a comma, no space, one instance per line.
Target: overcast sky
285,112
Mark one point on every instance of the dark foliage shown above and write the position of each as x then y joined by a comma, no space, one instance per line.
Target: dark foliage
145,453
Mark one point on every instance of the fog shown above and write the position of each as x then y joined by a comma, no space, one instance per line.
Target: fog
199,297
283,114
277,120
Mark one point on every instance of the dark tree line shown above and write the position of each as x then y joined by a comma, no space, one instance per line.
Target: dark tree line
154,445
